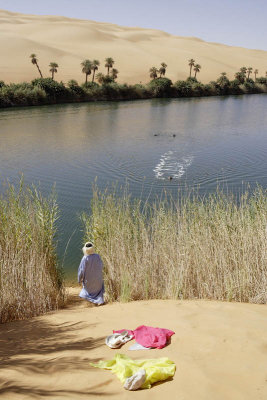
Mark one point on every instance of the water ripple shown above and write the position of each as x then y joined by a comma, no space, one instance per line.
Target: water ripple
172,165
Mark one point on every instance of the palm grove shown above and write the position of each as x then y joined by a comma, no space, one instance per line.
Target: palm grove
103,86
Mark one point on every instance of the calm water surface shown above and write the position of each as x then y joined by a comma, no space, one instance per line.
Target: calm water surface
195,141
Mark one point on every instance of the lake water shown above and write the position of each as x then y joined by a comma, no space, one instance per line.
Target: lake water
195,141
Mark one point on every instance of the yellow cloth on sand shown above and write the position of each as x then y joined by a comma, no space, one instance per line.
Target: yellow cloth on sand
158,369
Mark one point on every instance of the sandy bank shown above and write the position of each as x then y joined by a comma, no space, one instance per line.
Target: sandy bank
69,41
220,351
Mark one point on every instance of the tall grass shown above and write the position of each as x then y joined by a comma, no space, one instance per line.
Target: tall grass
30,280
190,248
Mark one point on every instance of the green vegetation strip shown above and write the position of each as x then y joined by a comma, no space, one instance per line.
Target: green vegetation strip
48,91
43,91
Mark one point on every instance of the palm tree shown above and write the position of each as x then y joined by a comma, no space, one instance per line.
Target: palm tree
109,63
114,73
243,71
162,70
153,72
53,68
191,64
95,65
222,79
100,77
256,71
249,70
86,68
197,68
240,77
35,62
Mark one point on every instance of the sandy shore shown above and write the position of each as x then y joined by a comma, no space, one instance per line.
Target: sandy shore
220,350
135,50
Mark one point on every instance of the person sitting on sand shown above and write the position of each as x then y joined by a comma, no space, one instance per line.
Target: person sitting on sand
90,274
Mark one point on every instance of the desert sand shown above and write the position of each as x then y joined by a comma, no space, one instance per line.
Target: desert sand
70,41
220,351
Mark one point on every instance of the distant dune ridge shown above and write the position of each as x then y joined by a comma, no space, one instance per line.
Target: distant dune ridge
68,42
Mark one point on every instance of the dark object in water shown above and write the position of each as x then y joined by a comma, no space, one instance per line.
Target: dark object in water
174,135
170,178
155,134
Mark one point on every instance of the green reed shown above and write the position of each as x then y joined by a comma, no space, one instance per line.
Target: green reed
191,248
30,280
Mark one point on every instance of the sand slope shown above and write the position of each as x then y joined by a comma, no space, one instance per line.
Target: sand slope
69,41
220,350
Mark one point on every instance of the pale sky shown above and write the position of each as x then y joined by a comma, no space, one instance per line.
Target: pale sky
233,22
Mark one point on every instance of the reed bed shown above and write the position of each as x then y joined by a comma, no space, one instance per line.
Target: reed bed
190,248
30,279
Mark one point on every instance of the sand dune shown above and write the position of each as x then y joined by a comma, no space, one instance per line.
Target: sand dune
69,41
219,349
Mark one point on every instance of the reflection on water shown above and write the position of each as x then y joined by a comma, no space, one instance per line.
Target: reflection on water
195,141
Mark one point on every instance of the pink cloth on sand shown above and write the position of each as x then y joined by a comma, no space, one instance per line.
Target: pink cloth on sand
148,336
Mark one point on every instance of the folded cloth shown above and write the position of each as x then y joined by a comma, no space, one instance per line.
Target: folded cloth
137,346
124,367
148,336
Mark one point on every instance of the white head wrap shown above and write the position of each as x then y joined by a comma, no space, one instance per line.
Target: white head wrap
88,249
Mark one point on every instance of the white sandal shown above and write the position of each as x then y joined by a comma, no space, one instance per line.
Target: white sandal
118,339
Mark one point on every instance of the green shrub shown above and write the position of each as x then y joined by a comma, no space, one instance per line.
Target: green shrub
94,93
107,79
75,89
24,94
198,89
210,89
183,89
36,96
111,90
191,80
240,77
21,86
234,87
20,97
54,90
90,85
160,87
4,99
222,85
261,80
141,91
250,87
